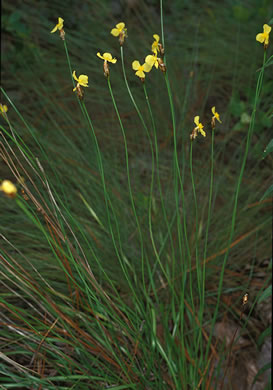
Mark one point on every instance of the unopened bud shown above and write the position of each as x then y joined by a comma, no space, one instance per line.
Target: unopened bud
161,49
161,65
80,91
62,34
106,69
122,36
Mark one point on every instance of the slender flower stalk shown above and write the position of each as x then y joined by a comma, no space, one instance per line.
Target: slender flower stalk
109,206
160,189
183,244
127,168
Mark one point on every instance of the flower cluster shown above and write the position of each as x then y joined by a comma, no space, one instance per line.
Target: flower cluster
151,60
156,59
199,126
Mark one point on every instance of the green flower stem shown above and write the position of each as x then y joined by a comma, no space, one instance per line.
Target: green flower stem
169,279
202,295
177,169
180,316
129,180
209,204
177,176
147,132
184,260
198,333
118,250
153,165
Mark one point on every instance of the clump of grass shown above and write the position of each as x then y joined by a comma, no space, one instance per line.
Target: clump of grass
118,278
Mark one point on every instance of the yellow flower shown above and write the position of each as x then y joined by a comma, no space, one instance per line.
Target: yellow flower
107,57
152,60
120,31
199,128
59,25
82,80
3,108
140,69
215,116
264,37
155,45
8,188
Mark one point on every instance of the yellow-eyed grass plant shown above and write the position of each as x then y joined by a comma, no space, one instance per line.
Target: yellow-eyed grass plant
82,329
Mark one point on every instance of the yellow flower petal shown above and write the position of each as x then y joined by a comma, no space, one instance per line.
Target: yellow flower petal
83,80
267,28
155,45
54,29
202,132
74,75
100,56
217,116
140,74
135,65
196,120
260,37
115,32
213,110
107,56
59,25
150,60
120,26
146,67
